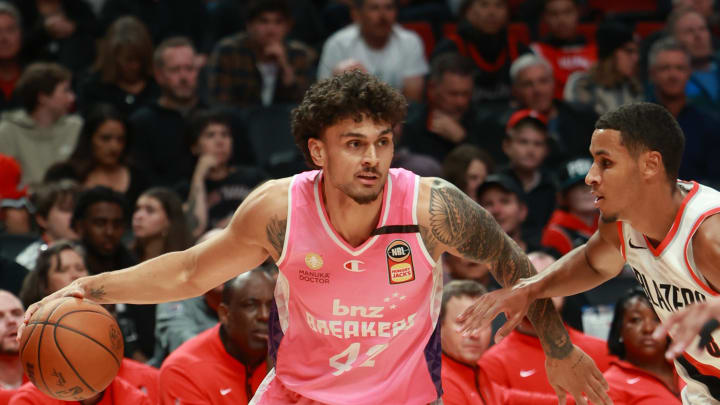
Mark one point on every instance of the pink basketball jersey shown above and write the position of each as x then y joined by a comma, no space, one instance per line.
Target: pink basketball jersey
356,325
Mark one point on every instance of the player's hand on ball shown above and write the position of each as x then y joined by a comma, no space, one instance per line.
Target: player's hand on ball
72,290
578,375
513,301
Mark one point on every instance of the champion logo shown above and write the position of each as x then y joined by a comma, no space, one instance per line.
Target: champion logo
527,373
632,381
225,391
354,266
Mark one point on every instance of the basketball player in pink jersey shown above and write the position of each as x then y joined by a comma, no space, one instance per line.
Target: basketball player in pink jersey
358,246
665,229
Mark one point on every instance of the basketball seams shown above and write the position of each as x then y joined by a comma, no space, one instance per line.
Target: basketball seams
39,346
62,353
58,325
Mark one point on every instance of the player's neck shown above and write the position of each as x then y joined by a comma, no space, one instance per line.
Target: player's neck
352,221
11,371
663,205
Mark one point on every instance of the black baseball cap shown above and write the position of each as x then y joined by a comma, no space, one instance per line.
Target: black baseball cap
503,181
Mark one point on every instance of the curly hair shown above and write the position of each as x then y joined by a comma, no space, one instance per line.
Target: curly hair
353,94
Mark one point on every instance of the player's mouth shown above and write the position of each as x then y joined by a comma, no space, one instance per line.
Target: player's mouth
369,179
598,198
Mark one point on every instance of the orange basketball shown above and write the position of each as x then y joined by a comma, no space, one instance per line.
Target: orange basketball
71,349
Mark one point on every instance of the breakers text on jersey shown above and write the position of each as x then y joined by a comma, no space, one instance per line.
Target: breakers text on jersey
370,325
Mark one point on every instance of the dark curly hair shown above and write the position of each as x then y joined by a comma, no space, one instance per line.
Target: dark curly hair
351,94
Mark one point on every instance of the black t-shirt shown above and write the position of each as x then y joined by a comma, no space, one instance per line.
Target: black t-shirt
224,196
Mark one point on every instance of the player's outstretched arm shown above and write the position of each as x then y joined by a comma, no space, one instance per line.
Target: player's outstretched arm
255,232
456,224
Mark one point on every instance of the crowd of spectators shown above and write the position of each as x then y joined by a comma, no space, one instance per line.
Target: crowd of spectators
133,128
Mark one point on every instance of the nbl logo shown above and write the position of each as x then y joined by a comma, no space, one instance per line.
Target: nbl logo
399,261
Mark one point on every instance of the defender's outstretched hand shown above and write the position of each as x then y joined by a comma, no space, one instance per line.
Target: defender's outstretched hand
699,318
513,301
578,375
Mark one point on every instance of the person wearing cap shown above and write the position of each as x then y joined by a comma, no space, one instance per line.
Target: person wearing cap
15,209
564,47
502,198
670,71
576,218
526,146
612,81
570,125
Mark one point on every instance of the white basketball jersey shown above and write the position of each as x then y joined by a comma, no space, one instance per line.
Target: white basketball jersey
672,281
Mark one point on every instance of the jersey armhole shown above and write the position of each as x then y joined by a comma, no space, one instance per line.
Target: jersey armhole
421,242
696,275
283,254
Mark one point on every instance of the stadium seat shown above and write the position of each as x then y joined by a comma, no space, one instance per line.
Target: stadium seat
645,28
585,29
623,6
425,31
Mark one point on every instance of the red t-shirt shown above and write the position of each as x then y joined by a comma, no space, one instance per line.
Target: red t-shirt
518,361
142,377
201,372
119,392
565,60
555,236
463,385
630,385
5,396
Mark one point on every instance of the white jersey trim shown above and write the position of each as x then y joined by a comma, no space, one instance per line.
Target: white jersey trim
281,259
331,232
418,235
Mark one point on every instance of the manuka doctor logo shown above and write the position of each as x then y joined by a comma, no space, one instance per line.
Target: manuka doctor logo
314,262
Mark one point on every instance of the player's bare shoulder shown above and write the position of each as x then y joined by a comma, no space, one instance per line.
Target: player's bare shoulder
263,215
706,250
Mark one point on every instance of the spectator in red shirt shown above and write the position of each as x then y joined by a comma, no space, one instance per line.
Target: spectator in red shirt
518,361
641,375
576,219
119,392
564,47
11,371
224,364
463,382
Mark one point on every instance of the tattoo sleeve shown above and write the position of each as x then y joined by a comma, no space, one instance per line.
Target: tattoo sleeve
275,231
458,222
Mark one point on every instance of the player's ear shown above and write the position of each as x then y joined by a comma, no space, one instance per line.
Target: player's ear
651,164
317,151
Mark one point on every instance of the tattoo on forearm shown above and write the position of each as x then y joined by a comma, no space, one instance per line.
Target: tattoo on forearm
458,222
97,292
275,231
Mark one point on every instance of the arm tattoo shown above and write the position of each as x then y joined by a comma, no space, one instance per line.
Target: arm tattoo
97,292
429,240
460,223
275,231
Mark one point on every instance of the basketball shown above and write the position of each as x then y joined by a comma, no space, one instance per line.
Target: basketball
71,349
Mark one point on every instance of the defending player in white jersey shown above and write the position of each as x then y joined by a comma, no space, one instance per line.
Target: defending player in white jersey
665,229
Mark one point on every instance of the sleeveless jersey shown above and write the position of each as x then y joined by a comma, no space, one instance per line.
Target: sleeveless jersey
356,325
672,281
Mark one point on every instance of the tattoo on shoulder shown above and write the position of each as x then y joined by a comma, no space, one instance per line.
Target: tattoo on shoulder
275,231
458,222
429,240
97,292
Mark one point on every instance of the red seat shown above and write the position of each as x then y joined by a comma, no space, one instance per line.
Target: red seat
623,6
425,31
645,28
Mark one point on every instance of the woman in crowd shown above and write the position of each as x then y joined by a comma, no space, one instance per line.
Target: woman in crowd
466,167
642,375
122,74
101,156
612,81
159,224
58,265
